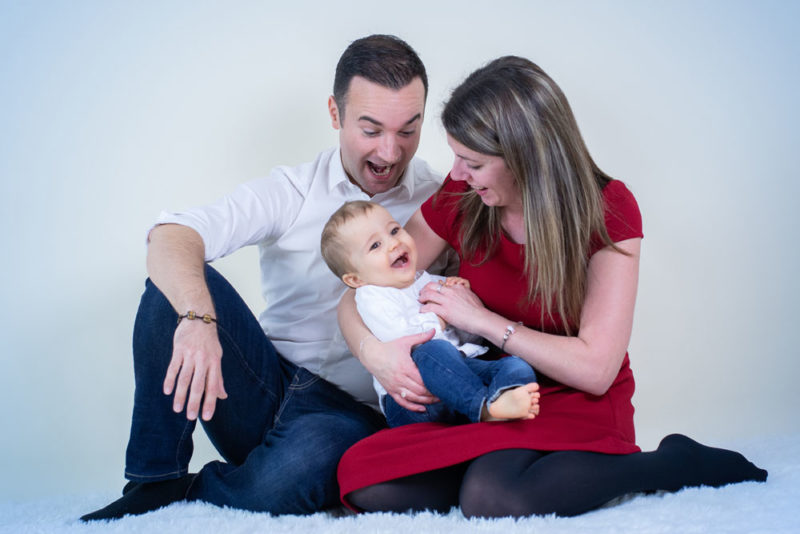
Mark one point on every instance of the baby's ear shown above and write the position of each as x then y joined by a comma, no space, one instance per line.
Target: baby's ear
352,280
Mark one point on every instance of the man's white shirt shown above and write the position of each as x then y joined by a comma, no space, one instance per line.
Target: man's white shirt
283,213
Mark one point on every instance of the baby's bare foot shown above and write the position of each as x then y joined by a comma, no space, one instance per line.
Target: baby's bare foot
518,403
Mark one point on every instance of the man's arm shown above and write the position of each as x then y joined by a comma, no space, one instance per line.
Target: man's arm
255,211
175,264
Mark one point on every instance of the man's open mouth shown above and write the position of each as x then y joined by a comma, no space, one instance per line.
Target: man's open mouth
379,170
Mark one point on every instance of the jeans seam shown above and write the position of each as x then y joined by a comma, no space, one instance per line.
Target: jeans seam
160,475
305,385
181,441
313,379
277,419
242,360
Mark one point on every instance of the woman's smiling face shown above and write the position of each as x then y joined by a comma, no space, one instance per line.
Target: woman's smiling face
487,175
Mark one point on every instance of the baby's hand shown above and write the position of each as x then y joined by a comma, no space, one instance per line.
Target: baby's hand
451,281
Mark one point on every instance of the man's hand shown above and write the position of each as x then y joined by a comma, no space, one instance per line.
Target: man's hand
196,363
392,365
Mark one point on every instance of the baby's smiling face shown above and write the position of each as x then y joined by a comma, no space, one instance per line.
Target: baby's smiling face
381,252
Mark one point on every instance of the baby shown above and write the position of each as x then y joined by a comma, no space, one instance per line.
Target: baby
364,246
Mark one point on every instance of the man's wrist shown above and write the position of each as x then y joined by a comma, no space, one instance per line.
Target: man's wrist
191,315
361,344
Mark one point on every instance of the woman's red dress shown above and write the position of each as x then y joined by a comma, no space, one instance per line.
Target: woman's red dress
569,419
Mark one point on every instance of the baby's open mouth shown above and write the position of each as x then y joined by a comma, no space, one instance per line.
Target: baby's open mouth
402,261
379,170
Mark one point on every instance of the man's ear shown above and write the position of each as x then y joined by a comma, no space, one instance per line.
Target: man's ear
333,109
352,280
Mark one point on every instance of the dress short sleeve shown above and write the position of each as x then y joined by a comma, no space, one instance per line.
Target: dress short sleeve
441,210
623,218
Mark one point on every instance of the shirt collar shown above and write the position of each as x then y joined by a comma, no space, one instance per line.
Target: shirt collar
338,178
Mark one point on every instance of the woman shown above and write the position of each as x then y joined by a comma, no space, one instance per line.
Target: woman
550,245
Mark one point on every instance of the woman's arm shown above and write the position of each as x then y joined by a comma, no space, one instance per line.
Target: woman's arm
429,245
589,361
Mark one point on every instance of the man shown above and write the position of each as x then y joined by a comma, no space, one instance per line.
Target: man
280,400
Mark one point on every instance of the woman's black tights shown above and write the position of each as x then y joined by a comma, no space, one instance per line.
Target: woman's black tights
521,482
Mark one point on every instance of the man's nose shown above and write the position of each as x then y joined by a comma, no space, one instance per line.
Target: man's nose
389,149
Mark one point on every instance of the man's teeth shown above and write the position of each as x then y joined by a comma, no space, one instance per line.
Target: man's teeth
380,170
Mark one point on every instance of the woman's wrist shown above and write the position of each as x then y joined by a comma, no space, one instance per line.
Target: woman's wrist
492,327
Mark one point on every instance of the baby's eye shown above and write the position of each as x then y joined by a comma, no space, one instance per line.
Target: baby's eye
375,245
395,230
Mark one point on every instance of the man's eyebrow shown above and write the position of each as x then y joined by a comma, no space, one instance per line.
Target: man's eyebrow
379,123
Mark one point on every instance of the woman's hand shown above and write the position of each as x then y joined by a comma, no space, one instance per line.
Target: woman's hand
392,365
455,303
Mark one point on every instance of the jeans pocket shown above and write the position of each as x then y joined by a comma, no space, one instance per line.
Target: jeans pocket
303,379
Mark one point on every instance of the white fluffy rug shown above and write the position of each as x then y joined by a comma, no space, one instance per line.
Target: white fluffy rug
773,507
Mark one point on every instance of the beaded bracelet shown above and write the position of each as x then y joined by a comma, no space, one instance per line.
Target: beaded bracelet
190,315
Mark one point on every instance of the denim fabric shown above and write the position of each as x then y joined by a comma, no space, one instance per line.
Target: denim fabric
281,431
463,385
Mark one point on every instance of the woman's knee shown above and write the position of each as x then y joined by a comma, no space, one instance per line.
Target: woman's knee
495,486
433,490
486,496
490,498
370,499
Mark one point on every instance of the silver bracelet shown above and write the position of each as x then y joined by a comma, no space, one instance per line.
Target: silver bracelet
509,330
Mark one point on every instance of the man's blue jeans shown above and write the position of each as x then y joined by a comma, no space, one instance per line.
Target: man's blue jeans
281,431
463,385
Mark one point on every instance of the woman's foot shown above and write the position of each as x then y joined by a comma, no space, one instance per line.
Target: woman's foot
709,466
519,403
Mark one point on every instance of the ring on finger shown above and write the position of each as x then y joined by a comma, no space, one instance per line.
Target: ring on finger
404,393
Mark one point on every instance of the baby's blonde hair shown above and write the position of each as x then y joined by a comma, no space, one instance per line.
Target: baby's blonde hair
333,249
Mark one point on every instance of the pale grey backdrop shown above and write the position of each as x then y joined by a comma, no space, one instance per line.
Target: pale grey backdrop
112,111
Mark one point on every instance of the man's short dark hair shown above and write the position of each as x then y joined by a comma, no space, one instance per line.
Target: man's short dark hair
382,59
